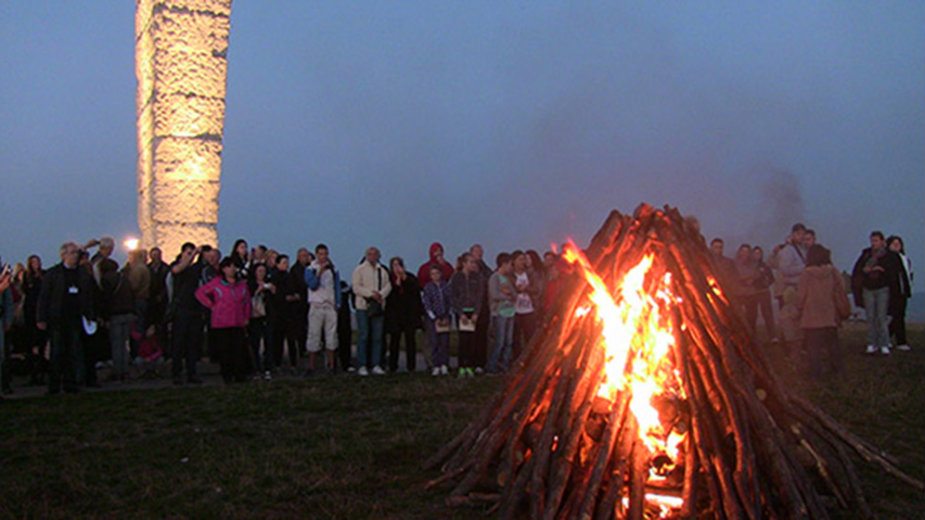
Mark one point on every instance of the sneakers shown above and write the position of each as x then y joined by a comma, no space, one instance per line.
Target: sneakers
466,372
435,372
444,370
363,372
351,370
479,371
377,371
462,373
885,351
267,376
871,349
903,347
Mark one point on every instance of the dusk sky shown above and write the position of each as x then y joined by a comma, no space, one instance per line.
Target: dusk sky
509,124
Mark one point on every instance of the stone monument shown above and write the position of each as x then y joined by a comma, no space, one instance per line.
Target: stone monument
181,65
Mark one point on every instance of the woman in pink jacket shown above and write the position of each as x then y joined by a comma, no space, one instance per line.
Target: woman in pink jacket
230,302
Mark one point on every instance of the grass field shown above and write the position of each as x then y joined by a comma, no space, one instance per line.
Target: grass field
342,447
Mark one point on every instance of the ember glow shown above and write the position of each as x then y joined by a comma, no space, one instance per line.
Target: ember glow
637,337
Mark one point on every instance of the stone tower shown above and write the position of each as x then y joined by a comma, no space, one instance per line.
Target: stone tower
181,64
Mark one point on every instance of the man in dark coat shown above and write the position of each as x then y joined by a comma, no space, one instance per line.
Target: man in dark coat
66,299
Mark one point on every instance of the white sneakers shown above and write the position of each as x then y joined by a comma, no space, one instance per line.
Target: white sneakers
441,370
871,349
435,372
377,371
363,372
885,351
903,347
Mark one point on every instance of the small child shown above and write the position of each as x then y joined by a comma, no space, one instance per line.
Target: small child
150,354
502,295
436,299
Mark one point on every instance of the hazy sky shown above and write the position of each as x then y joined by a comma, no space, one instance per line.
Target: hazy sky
511,124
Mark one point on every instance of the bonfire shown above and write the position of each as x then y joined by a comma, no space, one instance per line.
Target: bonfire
645,396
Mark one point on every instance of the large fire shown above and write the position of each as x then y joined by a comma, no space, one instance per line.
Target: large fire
638,335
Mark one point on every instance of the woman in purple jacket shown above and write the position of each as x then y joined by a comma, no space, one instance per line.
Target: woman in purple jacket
229,301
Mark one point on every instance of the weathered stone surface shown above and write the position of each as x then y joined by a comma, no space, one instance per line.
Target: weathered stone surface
181,68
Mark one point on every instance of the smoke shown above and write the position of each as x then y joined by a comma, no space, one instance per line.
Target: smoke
779,204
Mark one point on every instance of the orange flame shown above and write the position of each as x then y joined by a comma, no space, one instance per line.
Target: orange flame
637,336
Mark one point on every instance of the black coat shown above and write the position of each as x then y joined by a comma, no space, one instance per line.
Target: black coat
889,277
54,287
403,305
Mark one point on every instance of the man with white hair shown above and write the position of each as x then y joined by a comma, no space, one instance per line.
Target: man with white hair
371,286
64,303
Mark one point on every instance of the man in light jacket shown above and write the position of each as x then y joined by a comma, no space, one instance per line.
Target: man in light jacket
323,283
371,286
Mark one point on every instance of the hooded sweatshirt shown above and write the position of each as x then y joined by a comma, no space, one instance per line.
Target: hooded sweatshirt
445,268
230,303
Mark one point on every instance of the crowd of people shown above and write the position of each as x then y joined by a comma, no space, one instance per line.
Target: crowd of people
811,294
256,312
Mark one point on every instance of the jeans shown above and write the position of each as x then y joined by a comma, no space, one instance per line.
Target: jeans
524,327
66,357
120,327
259,332
762,302
876,302
369,343
439,344
500,359
187,342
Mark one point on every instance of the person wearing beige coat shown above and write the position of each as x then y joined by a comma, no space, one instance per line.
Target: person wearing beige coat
371,286
823,303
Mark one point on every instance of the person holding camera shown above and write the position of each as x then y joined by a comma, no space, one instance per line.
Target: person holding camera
323,283
187,314
371,286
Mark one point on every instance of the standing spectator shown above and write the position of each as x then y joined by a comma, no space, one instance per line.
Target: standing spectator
483,324
101,260
823,304
344,328
555,278
371,286
537,271
899,298
875,276
157,301
724,267
789,259
119,309
527,292
436,259
436,297
290,305
6,321
239,257
187,314
403,315
744,294
323,283
139,277
502,295
764,279
35,340
230,302
65,300
468,292
262,292
304,258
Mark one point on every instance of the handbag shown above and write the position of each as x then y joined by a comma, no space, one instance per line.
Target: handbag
373,307
842,305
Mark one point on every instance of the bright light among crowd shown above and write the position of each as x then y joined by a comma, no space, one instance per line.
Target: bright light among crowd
131,244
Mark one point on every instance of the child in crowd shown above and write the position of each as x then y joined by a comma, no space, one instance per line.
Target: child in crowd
436,299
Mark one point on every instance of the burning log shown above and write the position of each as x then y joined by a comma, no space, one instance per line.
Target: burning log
644,396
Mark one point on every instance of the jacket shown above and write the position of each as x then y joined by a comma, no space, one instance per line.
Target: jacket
51,299
404,306
468,292
889,277
367,279
445,268
230,303
313,282
820,291
436,300
790,261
